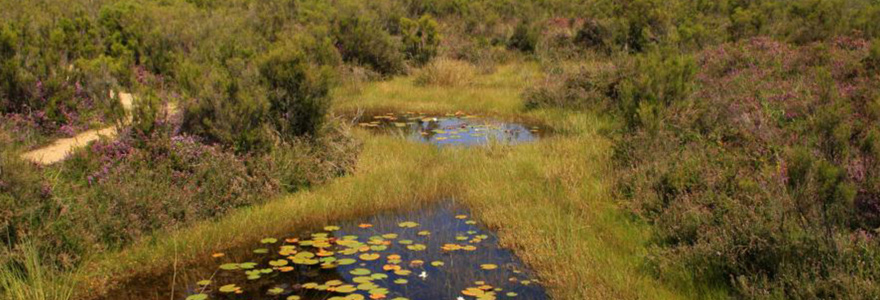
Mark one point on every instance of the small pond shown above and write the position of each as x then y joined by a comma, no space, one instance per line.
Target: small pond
452,129
438,252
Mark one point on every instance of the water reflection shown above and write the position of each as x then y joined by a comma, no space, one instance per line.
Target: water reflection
433,253
453,129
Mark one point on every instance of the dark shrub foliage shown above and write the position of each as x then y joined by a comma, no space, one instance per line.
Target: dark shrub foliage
524,38
363,41
594,34
297,92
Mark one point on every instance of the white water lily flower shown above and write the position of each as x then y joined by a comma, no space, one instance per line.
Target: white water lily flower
424,275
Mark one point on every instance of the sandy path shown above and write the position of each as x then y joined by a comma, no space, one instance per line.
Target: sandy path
60,149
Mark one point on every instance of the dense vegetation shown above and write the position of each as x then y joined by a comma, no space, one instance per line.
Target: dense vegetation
749,131
752,150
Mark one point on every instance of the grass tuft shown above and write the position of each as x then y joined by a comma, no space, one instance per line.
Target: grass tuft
30,279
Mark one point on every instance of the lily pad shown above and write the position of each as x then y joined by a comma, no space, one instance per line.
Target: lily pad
369,256
197,297
408,224
229,288
360,271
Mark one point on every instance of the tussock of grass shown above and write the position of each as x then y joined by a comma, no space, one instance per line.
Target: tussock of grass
31,280
447,73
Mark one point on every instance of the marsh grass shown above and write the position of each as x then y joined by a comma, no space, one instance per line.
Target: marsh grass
30,279
447,73
548,201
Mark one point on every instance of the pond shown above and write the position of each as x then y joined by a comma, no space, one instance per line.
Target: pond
452,129
438,252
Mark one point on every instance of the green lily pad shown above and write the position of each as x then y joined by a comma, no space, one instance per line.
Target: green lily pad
416,247
197,297
369,256
229,288
247,265
278,263
275,291
360,271
346,289
269,241
408,224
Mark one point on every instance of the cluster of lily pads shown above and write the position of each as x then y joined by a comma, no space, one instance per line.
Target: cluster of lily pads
333,266
457,128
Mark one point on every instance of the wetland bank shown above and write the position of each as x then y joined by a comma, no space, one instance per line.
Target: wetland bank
597,149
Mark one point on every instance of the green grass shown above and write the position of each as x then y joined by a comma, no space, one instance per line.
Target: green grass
31,280
496,94
549,201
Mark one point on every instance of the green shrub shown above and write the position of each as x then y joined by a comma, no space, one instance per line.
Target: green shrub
744,23
872,61
12,93
25,201
524,38
656,81
815,20
589,87
594,34
229,110
297,91
123,38
420,38
644,24
363,41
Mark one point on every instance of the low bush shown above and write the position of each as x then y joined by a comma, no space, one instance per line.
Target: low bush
363,41
420,38
524,38
588,87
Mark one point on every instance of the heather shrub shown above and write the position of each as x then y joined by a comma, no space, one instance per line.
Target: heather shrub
751,181
21,185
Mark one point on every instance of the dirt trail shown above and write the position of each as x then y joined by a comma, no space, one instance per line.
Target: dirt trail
59,150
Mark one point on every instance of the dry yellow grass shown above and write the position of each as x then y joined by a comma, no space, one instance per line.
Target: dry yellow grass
445,72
